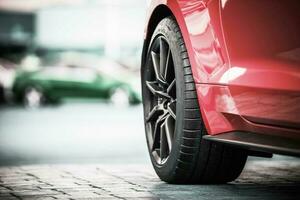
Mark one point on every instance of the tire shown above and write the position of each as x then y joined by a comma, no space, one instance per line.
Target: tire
189,159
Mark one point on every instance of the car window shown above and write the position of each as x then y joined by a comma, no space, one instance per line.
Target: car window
75,74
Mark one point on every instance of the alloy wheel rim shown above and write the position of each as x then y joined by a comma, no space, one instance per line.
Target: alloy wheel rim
161,113
33,98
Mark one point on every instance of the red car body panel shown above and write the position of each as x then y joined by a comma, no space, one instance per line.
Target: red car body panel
245,58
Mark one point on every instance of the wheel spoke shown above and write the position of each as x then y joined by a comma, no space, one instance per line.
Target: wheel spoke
168,62
164,147
156,90
171,86
156,66
169,130
164,51
172,109
157,132
154,113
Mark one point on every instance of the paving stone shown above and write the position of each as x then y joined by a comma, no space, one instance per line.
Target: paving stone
273,179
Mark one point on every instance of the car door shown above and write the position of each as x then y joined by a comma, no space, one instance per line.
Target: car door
65,81
85,82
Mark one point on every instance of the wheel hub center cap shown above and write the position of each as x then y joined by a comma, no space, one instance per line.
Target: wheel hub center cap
160,100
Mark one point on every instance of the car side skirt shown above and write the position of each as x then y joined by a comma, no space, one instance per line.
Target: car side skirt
258,142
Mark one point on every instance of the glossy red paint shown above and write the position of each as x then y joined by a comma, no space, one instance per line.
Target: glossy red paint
245,58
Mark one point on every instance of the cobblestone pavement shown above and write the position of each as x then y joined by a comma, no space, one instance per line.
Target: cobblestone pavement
46,154
262,179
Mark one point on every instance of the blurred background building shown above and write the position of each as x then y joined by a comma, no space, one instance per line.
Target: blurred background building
102,34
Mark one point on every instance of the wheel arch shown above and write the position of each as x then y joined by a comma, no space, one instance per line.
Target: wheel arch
160,12
45,88
206,68
181,11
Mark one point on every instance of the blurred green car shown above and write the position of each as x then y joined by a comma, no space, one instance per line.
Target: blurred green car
52,84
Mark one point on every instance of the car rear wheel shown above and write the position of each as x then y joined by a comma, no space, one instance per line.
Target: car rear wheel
173,122
119,97
33,97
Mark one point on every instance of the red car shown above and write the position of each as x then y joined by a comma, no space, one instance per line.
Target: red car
220,82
